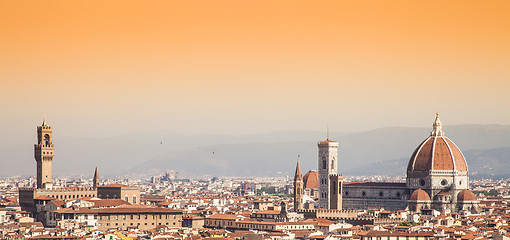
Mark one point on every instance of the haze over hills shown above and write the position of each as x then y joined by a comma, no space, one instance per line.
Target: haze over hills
383,151
482,163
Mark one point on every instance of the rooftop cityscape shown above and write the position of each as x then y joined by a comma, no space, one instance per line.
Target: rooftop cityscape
255,120
434,201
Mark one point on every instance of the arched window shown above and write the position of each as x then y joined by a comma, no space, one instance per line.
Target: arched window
47,139
324,162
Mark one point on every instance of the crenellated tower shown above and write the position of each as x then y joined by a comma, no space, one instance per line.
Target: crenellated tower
44,154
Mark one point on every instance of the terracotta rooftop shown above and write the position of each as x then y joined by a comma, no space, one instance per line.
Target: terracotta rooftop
121,209
108,202
311,179
466,195
419,195
223,216
268,212
437,152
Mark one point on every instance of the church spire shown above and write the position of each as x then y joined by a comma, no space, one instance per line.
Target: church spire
298,174
298,188
96,178
437,128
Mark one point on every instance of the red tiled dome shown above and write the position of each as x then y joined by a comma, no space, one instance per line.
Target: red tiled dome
311,179
419,195
466,195
437,152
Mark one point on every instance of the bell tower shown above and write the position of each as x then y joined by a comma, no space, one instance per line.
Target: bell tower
43,154
328,165
298,188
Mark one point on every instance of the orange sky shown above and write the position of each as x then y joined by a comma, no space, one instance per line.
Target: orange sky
238,67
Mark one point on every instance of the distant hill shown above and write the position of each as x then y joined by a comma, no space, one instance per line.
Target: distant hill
386,149
482,163
271,154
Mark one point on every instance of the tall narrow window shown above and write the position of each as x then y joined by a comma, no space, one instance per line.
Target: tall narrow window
46,139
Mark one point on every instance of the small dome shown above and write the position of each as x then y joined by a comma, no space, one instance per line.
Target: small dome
419,195
437,152
311,179
466,195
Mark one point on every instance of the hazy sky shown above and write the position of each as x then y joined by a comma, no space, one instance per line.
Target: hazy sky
98,68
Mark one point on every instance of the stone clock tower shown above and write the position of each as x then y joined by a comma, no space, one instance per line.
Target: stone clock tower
43,153
327,165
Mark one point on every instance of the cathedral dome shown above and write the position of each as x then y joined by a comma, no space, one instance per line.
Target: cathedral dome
419,195
437,152
311,179
466,195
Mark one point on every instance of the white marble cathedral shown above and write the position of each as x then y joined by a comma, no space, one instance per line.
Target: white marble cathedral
437,179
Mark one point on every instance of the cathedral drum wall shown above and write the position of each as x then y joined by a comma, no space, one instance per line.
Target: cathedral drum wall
362,197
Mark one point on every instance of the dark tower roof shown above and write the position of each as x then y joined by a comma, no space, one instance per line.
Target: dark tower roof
298,175
96,178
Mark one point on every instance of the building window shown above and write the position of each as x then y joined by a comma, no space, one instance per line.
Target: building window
324,163
134,199
444,182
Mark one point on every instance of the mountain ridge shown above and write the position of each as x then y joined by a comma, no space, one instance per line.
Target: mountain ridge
276,152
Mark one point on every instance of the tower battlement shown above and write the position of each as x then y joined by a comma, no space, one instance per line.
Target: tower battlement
43,154
43,145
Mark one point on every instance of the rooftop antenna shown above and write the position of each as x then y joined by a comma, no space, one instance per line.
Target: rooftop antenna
44,120
327,132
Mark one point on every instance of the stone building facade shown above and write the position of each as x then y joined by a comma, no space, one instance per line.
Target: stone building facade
34,200
129,194
123,217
